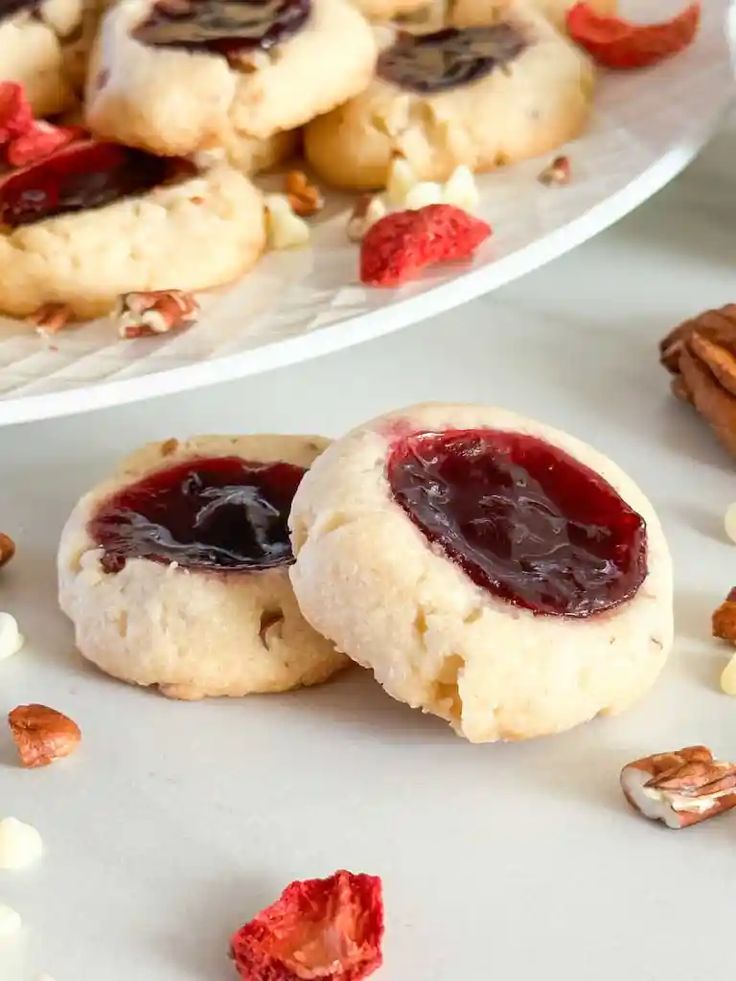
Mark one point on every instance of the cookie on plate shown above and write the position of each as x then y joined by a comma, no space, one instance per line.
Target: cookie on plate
174,80
175,570
489,569
479,94
98,219
38,49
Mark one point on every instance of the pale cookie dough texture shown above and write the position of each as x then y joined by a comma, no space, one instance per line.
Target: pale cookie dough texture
367,577
191,633
192,235
533,104
39,49
174,101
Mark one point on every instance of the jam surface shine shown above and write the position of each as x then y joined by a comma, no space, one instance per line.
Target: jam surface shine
216,514
450,57
223,26
522,518
80,176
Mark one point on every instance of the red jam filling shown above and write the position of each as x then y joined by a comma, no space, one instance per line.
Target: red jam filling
223,26
450,57
219,514
522,518
80,176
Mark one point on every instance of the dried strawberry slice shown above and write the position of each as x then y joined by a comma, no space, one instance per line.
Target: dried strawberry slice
400,245
40,140
617,43
16,116
327,929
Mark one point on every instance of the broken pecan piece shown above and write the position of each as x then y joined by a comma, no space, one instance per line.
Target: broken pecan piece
145,314
50,318
680,788
724,618
42,734
701,354
7,549
305,198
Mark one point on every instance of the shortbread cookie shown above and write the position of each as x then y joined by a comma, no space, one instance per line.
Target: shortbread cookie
481,96
175,571
98,219
175,83
489,569
38,49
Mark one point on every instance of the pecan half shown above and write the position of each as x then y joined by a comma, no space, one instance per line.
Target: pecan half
680,788
305,198
7,549
154,312
724,618
701,354
42,734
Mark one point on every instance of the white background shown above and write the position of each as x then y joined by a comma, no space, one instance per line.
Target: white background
175,823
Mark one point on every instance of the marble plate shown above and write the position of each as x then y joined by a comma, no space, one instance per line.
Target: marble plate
647,126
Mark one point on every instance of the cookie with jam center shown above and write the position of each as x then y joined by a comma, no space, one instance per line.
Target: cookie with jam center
97,219
176,76
489,569
175,571
486,89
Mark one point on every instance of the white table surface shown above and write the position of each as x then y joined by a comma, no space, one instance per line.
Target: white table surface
175,822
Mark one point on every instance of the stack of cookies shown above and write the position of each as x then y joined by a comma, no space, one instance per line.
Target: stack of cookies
181,102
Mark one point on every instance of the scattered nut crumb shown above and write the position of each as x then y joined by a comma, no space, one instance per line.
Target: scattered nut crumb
305,199
11,639
50,318
146,314
7,549
558,173
369,208
724,618
680,788
42,734
20,844
286,230
10,923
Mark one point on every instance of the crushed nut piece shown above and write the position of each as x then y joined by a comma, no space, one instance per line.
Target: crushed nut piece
42,734
20,844
286,230
557,174
724,618
369,208
11,639
155,312
50,318
701,354
7,549
680,788
305,199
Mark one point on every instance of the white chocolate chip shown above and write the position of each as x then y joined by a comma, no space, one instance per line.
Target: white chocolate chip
361,220
285,229
728,678
422,194
729,521
401,179
461,189
10,923
11,639
20,844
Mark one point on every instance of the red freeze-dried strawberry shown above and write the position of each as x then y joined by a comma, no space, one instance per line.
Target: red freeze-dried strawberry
326,929
16,115
400,245
617,43
39,141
